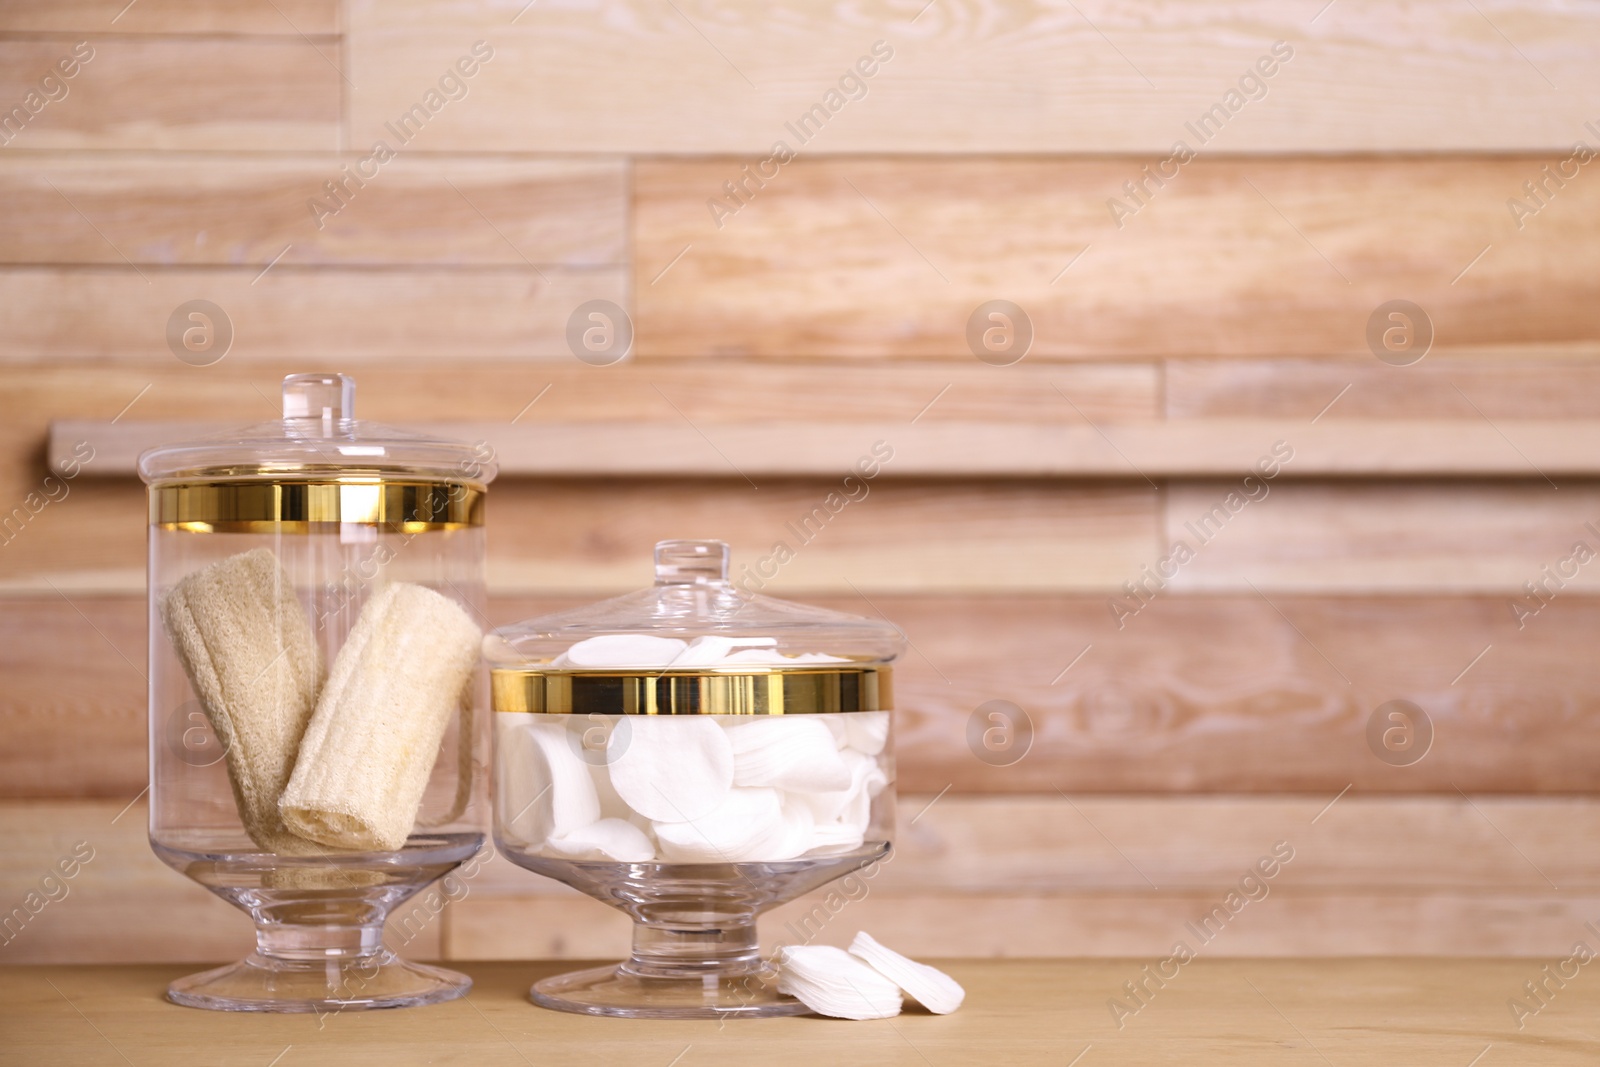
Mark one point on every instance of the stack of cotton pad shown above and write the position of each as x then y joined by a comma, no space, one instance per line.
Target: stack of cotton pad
690,789
865,983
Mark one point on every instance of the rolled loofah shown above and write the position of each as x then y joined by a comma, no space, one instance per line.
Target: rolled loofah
671,768
607,839
928,986
247,647
832,982
372,742
545,789
795,752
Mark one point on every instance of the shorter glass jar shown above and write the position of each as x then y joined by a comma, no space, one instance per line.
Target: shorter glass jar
694,756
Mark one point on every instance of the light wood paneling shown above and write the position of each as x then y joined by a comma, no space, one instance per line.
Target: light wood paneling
1088,876
1011,924
988,75
238,211
1058,843
1363,388
868,258
1198,694
1391,538
598,534
123,905
168,17
1183,448
291,311
231,93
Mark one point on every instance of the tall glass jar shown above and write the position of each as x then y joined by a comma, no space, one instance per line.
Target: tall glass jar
318,740
693,755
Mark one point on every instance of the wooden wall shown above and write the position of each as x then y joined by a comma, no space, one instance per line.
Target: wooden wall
1176,337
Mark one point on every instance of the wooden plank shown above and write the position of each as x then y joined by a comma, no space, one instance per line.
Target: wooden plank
1236,694
1179,448
163,93
1434,874
1242,258
1393,538
1436,388
1365,1012
1197,694
290,310
170,17
965,844
990,77
123,905
598,534
1023,925
241,210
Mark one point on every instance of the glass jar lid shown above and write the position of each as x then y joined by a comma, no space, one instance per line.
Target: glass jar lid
318,436
693,643
316,469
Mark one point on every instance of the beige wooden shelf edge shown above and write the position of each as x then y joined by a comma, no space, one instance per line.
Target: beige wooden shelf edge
1185,448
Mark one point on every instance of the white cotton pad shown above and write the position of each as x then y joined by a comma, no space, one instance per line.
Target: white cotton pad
867,731
771,657
794,752
746,824
624,650
928,986
608,839
703,651
852,805
545,787
671,768
832,982
837,836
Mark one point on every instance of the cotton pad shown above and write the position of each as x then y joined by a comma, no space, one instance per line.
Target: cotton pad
546,789
671,768
853,804
608,839
624,650
795,752
928,986
748,824
867,731
832,982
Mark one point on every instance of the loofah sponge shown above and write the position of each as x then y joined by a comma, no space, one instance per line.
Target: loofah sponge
247,648
371,744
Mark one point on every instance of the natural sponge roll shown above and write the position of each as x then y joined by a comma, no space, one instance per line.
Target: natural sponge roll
247,648
370,747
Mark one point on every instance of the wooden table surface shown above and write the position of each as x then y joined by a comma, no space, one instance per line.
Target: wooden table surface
1449,1012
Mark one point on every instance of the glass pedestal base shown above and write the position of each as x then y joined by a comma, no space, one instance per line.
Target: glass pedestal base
263,983
319,927
695,950
614,991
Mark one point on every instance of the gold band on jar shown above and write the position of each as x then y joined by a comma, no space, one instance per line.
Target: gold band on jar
302,507
780,691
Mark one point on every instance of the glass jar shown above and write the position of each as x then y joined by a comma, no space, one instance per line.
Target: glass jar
318,732
693,755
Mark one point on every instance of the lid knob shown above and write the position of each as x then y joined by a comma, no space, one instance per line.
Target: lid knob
329,397
687,562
